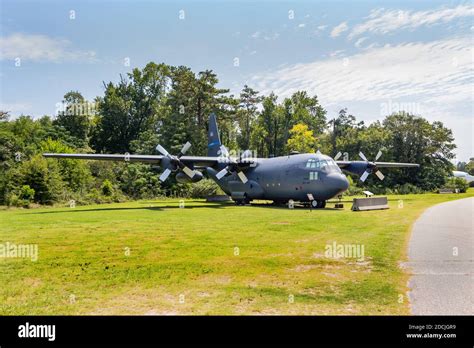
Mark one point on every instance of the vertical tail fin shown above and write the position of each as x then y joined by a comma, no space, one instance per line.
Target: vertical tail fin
213,139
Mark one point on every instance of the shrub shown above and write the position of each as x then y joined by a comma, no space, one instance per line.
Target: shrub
352,190
138,181
26,196
203,188
11,199
408,188
459,184
44,177
107,188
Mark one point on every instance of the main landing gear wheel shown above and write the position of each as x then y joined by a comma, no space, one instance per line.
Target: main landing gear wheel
319,204
243,201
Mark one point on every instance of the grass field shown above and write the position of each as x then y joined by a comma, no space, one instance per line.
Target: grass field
151,257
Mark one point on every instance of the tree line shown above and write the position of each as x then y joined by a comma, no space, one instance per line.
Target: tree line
170,105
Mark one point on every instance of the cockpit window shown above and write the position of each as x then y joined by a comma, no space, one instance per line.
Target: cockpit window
328,164
312,163
333,165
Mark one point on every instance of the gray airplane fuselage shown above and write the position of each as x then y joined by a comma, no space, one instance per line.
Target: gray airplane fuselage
287,177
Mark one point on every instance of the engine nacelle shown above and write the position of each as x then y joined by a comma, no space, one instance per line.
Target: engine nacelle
183,178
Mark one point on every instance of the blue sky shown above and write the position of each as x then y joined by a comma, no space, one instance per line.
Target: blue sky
371,57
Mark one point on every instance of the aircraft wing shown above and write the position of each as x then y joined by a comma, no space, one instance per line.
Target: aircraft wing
194,161
395,164
365,168
345,164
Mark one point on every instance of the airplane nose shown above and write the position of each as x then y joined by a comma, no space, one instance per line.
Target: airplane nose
337,181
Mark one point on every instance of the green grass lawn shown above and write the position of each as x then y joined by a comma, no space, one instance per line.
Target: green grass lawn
207,259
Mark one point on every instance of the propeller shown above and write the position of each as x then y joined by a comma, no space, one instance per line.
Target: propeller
371,167
233,166
174,162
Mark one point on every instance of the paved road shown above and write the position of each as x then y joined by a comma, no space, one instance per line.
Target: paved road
443,283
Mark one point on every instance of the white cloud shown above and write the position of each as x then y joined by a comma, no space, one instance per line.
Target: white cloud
435,71
436,76
40,48
359,42
256,35
301,25
337,30
381,21
319,29
265,36
337,53
273,36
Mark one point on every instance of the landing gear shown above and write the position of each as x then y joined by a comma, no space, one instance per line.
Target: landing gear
315,204
242,201
319,204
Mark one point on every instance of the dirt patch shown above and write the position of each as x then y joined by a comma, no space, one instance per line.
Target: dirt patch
332,275
32,282
304,268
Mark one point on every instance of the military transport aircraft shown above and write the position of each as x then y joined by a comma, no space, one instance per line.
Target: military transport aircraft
309,177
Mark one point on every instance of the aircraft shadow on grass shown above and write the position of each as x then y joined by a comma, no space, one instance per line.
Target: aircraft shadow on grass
189,205
149,207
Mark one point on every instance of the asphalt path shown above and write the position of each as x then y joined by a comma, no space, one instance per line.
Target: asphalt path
441,260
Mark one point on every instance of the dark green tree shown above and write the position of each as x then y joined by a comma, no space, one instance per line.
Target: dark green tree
76,117
415,140
248,102
130,107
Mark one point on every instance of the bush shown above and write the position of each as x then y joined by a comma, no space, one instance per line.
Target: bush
27,193
107,188
21,197
44,177
459,184
26,196
95,196
203,188
353,190
11,199
407,189
138,181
